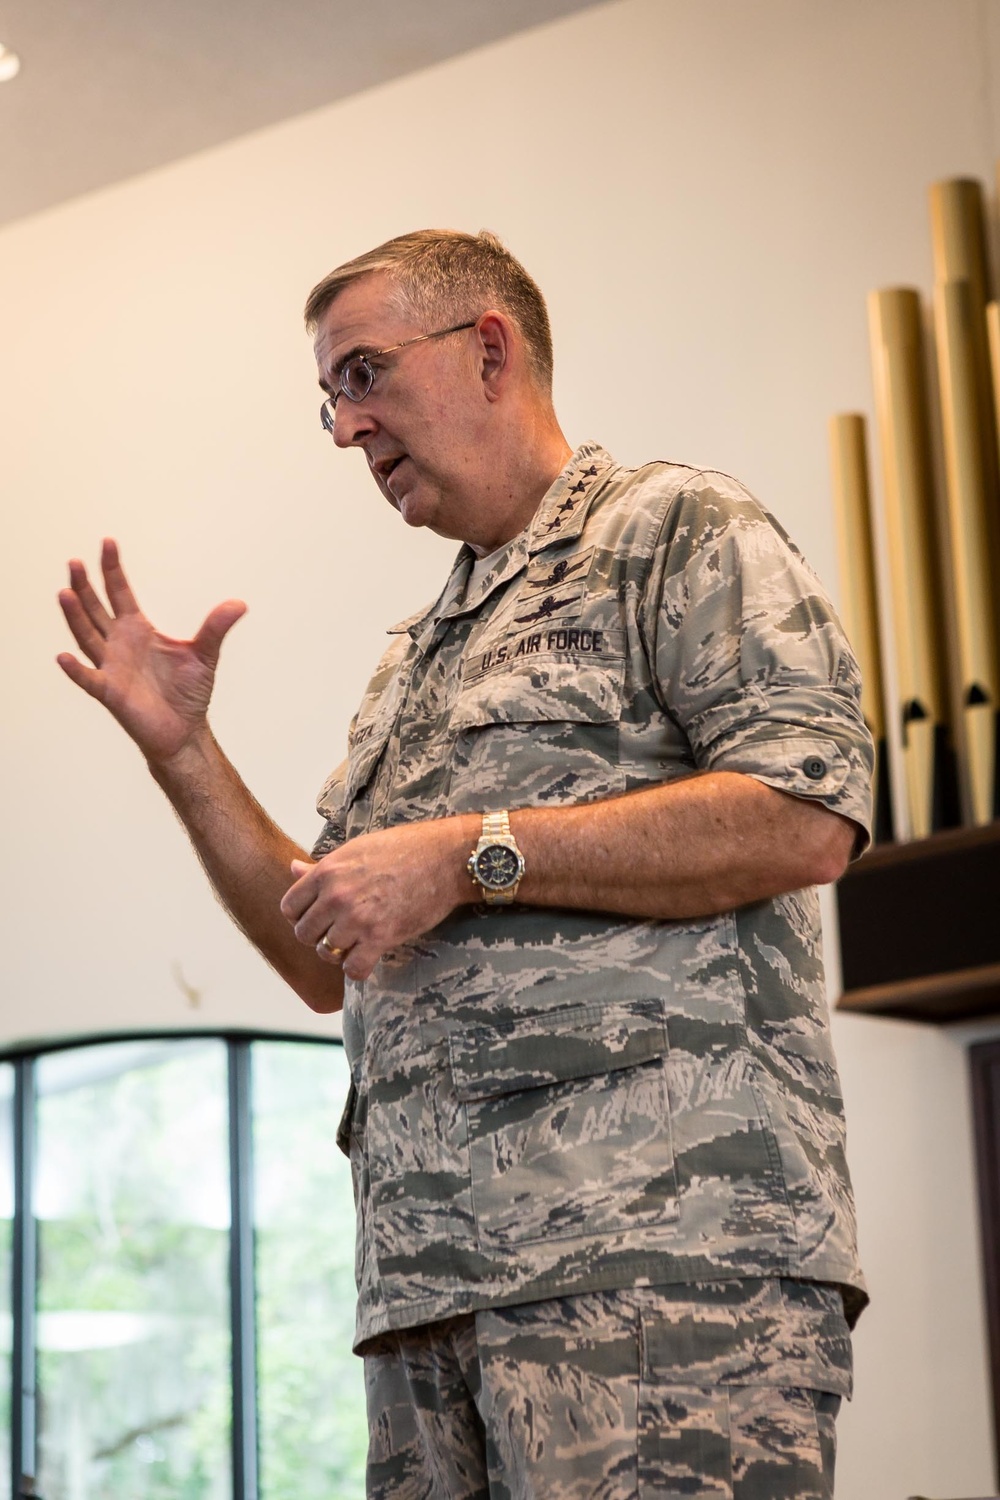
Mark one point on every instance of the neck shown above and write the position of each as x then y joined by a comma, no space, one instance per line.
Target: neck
532,454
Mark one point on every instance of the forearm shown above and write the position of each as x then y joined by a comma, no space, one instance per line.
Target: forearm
247,858
686,848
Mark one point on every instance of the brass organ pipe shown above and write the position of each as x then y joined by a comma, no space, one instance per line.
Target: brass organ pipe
973,546
972,473
918,616
993,332
958,235
856,557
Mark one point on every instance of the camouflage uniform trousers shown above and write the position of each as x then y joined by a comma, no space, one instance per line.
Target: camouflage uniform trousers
717,1391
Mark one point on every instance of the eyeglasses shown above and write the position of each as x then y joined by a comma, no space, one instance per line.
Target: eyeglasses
358,374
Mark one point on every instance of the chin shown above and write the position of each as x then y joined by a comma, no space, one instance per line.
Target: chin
418,508
410,509
419,517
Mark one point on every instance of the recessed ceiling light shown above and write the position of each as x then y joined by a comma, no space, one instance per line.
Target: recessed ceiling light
10,64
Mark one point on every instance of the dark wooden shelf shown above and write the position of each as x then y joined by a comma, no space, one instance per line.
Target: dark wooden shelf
920,928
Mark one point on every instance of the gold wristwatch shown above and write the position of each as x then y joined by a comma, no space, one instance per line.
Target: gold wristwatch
496,864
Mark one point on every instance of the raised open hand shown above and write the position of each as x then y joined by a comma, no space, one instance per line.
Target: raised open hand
157,688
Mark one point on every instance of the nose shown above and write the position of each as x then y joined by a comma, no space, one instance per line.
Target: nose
352,423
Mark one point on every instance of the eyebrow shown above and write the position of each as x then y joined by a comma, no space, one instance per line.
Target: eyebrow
353,353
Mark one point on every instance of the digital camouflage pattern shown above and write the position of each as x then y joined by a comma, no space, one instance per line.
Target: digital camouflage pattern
554,1102
724,1391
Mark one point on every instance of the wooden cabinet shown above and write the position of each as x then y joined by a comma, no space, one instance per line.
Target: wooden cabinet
920,928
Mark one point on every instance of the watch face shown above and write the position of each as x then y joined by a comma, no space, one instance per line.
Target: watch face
497,867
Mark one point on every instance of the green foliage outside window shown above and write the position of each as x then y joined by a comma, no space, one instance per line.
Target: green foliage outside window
131,1197
312,1418
132,1202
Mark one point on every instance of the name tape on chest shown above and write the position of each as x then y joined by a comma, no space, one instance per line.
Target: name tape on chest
584,643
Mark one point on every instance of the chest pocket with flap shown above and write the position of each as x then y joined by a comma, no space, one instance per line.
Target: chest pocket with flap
542,732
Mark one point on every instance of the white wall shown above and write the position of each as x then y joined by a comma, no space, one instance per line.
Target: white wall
706,189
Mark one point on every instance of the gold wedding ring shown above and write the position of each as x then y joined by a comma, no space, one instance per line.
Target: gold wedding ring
333,952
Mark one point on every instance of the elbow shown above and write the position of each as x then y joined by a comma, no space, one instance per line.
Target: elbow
831,852
322,992
323,1003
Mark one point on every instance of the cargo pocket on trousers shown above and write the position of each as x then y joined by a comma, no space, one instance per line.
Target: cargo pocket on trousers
704,1443
783,1440
684,1447
568,1122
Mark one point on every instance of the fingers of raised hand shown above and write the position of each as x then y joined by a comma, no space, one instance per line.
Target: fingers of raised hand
88,636
119,592
90,602
215,628
84,677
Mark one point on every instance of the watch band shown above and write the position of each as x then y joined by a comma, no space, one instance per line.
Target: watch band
496,826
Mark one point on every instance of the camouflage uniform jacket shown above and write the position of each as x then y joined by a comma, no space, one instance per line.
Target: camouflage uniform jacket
547,1102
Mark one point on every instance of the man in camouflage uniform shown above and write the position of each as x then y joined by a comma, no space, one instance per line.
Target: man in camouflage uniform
605,1231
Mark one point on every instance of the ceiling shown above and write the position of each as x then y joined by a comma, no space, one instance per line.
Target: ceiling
111,88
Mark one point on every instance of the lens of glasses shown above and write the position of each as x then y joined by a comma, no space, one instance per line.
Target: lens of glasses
327,415
356,378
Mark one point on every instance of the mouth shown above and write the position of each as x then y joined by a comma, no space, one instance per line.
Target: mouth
385,467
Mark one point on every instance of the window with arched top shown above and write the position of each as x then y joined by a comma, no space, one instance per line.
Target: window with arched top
178,1231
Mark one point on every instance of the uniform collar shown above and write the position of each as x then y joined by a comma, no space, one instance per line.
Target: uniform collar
559,518
563,510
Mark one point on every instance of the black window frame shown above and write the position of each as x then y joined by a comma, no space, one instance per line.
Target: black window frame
242,1257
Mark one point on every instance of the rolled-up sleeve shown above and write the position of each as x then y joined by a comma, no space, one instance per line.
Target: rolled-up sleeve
750,658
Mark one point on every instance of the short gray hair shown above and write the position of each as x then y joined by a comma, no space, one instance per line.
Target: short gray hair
446,275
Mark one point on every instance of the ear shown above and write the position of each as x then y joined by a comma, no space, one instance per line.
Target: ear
499,349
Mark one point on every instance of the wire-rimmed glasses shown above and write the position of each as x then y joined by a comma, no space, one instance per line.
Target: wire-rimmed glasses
358,374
